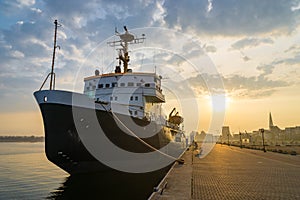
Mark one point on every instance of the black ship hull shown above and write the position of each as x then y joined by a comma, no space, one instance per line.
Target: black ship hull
67,123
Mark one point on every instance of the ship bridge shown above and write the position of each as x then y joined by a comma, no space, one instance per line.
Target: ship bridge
146,84
137,91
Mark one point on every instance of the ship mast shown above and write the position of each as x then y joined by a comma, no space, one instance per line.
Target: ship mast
52,75
125,39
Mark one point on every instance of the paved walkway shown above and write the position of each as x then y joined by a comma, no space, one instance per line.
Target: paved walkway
234,173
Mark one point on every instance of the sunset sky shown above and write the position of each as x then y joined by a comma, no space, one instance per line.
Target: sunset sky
250,47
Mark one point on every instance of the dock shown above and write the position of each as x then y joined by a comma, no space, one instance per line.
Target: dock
229,172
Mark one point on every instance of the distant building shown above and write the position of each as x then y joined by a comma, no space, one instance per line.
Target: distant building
273,128
226,136
225,131
276,136
205,137
200,137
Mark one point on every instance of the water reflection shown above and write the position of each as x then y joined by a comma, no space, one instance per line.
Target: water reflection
110,185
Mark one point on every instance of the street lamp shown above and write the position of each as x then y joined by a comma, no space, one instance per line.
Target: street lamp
240,140
263,139
221,140
228,139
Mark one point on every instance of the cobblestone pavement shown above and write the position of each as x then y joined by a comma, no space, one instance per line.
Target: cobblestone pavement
234,173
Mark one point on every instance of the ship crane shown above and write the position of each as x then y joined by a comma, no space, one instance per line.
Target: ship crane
175,119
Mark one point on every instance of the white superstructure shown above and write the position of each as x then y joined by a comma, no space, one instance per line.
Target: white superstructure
139,93
132,93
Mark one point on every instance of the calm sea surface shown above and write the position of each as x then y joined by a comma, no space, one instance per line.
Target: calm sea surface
25,173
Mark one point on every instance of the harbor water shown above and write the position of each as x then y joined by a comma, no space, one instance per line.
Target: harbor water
27,174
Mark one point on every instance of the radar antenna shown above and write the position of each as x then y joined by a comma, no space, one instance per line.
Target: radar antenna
125,39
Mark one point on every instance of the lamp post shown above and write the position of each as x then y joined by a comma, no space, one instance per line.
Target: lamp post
221,140
240,140
228,139
263,139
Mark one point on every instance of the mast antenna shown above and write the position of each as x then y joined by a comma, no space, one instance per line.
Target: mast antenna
125,39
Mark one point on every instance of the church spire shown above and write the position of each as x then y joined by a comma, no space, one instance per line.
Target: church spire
270,121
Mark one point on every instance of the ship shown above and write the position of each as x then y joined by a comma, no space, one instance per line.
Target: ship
116,125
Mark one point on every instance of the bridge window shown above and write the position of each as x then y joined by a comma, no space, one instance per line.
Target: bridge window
100,85
135,112
114,84
131,98
107,85
122,84
136,98
130,84
138,84
147,85
116,98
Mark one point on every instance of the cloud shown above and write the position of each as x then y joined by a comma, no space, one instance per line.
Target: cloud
26,39
292,56
294,49
245,57
296,6
17,54
210,48
209,6
22,3
238,85
251,42
36,10
294,60
232,17
254,86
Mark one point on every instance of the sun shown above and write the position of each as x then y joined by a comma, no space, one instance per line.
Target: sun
220,102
